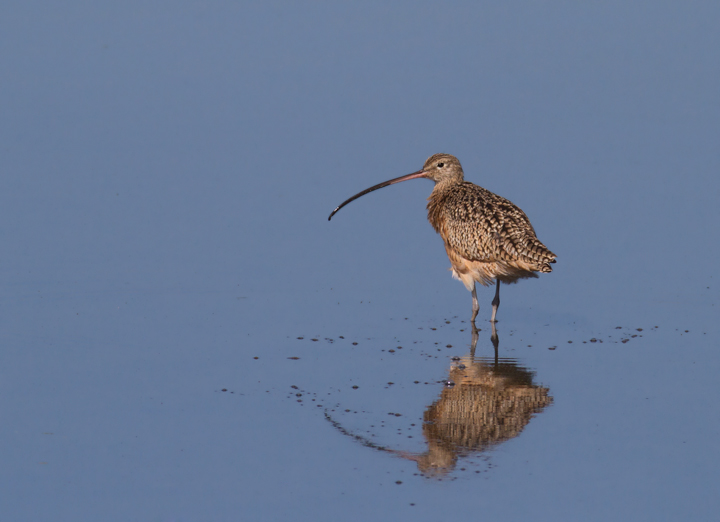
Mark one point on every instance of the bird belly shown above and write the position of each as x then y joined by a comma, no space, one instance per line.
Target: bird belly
486,272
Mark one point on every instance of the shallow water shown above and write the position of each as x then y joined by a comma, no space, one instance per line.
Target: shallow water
186,337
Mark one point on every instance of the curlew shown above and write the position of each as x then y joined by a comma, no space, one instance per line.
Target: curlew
486,236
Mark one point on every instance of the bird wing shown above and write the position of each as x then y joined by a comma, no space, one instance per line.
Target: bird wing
482,226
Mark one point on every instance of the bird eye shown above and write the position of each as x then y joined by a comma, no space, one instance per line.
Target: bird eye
441,165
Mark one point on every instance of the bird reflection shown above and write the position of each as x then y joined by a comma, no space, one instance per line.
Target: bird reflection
487,401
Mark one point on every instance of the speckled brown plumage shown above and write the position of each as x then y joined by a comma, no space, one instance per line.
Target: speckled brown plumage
486,236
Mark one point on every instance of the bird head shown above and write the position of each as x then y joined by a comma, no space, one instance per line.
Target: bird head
443,167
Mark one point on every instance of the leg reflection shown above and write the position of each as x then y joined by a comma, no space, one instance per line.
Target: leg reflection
494,339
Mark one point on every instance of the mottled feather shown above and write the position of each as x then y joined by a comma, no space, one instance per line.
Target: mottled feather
486,236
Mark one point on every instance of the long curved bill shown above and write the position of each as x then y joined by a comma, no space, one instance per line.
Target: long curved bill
414,175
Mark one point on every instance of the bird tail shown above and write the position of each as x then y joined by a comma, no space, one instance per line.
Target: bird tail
545,267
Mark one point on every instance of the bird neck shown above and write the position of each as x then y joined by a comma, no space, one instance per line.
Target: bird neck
444,186
436,202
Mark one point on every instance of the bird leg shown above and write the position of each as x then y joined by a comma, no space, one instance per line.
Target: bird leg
496,302
476,306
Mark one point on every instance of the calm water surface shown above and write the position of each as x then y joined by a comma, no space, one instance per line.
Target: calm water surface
186,337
